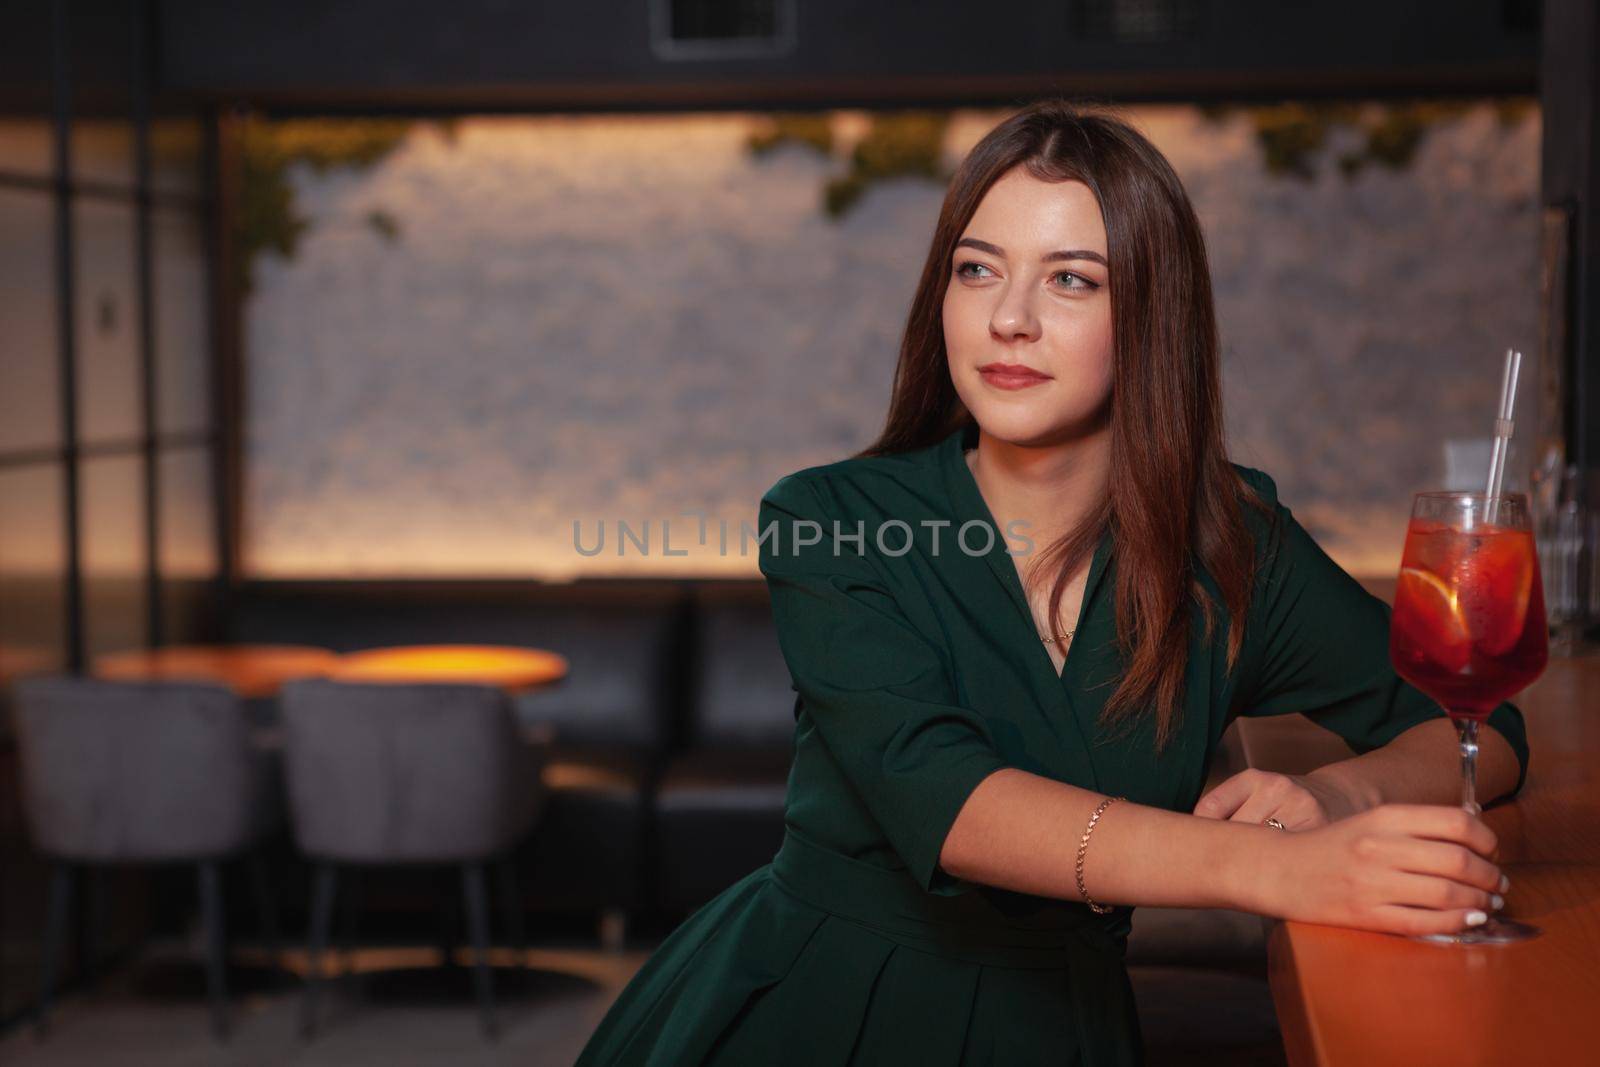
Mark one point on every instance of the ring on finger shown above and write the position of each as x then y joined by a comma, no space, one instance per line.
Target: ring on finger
1275,823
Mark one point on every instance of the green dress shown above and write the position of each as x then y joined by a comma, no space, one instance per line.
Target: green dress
919,672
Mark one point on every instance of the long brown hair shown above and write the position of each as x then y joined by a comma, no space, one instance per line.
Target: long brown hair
1177,497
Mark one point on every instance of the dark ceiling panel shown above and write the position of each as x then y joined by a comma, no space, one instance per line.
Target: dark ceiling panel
496,53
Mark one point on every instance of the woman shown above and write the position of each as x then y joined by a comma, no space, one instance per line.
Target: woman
1000,750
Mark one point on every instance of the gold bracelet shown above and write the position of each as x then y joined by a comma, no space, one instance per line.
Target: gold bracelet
1083,847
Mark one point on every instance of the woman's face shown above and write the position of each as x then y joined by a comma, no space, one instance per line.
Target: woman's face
1029,292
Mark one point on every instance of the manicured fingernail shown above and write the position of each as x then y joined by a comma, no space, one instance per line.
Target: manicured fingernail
1496,901
1505,884
1476,918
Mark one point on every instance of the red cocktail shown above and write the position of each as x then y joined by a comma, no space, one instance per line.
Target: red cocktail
1469,626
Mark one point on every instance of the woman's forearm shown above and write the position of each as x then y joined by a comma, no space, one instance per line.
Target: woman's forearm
1423,766
1020,831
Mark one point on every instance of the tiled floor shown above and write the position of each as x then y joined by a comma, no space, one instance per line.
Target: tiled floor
404,1010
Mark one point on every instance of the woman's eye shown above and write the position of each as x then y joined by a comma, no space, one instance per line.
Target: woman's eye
1073,281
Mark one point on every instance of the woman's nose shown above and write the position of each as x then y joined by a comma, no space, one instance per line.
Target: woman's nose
1014,317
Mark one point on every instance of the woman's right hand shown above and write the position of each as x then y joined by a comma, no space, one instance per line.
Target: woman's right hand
1397,868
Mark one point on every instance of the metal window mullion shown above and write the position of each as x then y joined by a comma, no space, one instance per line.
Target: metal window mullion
144,270
61,107
217,166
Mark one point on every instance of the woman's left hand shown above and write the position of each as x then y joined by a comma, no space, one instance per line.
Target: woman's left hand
1299,801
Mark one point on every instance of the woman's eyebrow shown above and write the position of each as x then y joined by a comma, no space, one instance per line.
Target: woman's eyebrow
996,250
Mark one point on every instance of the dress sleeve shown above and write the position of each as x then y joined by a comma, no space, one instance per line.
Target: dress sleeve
881,695
1318,643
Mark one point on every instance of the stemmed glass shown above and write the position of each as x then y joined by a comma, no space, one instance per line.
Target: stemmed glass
1469,626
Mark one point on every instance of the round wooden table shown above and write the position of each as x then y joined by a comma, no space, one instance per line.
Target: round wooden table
251,671
515,670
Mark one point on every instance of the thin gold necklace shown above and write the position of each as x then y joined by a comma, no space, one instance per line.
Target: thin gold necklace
1057,637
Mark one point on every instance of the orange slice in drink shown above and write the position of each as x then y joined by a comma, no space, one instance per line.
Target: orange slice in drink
1429,615
1495,584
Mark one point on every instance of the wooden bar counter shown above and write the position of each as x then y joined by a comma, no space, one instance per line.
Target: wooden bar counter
1347,997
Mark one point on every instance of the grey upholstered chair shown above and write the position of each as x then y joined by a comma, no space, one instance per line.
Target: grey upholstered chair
136,773
385,774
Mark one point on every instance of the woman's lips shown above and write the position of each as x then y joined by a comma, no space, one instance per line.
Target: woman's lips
1011,376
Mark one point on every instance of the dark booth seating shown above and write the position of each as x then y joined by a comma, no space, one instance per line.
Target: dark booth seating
719,807
611,721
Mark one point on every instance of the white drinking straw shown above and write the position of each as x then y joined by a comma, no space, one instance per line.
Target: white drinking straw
1503,427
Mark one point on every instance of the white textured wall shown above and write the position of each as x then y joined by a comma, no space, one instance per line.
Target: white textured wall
606,318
